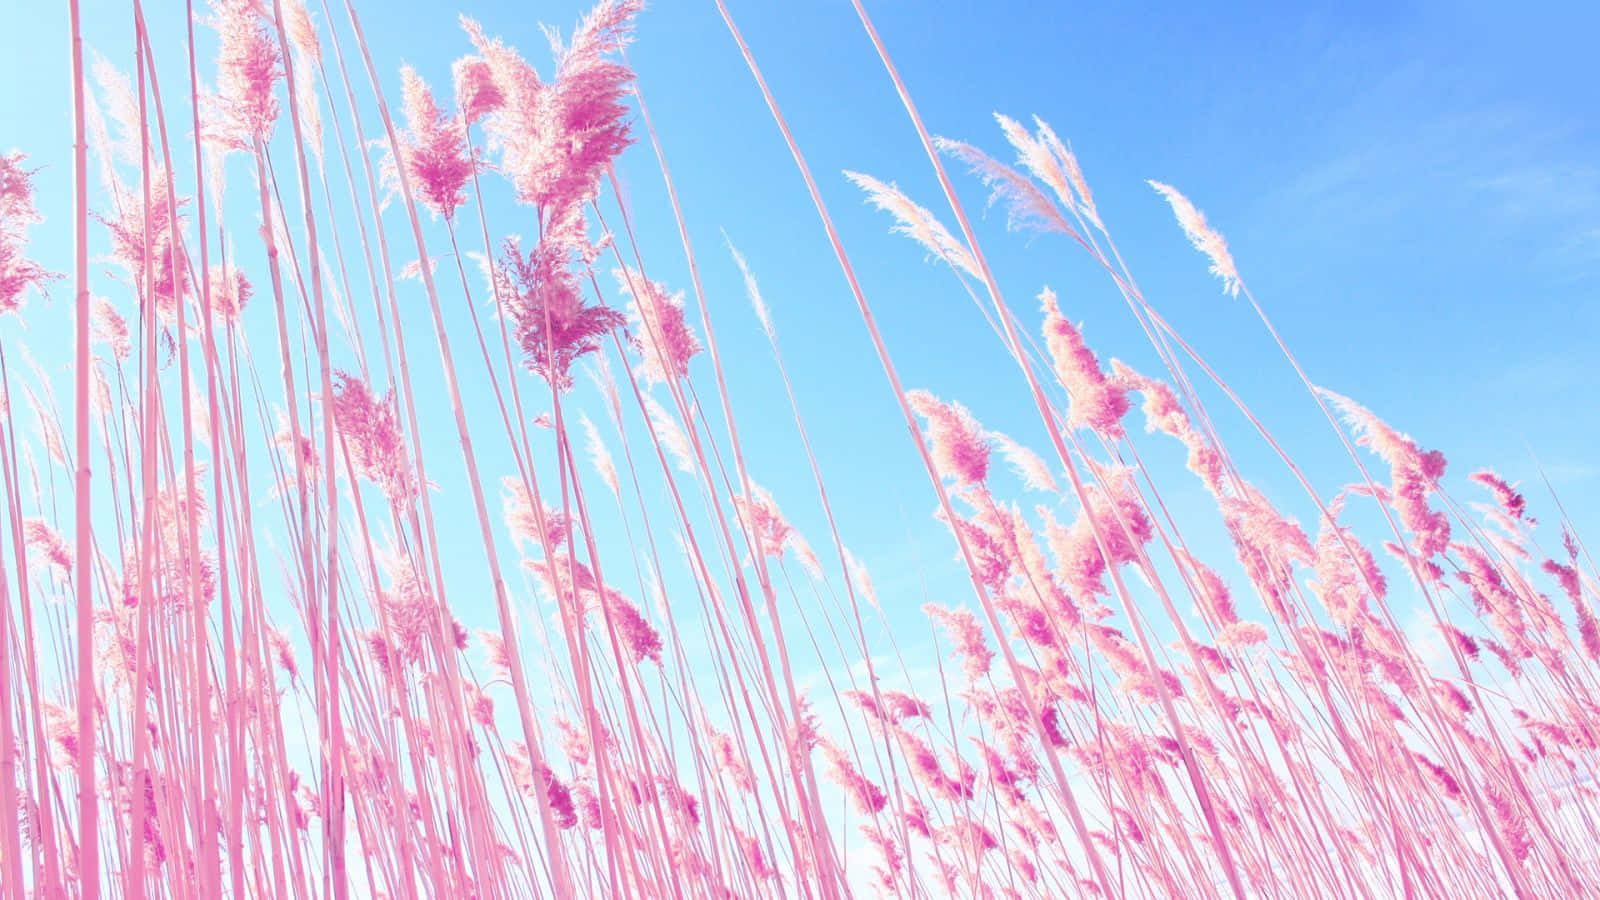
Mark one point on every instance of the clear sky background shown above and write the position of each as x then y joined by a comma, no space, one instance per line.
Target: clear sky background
1411,189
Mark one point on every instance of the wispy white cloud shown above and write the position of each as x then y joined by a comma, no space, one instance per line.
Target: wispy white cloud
1404,139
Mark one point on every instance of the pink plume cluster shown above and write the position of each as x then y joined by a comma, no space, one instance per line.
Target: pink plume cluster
556,138
17,273
763,519
1052,162
477,94
659,331
1203,236
1028,207
372,437
554,326
49,543
109,326
230,291
436,154
249,64
867,797
917,223
959,445
143,243
1415,475
300,30
1098,402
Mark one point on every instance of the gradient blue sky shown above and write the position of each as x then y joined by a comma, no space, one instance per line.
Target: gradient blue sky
1411,189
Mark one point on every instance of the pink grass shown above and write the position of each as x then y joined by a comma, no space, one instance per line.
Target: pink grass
251,651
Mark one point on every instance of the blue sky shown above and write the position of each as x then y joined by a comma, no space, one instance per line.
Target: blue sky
1411,190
